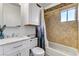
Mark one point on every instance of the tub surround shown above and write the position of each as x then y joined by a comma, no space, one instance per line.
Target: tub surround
78,28
61,32
56,49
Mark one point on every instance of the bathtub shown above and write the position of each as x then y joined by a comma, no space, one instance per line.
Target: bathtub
55,49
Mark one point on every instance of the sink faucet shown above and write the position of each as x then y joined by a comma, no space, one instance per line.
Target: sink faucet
1,35
1,31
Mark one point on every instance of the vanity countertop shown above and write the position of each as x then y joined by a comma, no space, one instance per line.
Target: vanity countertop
11,40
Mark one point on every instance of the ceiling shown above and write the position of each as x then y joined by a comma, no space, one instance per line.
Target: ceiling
16,4
48,5
44,5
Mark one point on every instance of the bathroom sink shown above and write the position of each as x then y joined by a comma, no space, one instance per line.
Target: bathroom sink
14,39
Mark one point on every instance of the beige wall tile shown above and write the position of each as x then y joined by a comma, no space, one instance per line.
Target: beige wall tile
61,32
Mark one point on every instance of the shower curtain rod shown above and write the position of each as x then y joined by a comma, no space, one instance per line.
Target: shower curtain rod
38,5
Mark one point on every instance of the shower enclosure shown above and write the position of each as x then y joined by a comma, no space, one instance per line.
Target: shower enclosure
62,27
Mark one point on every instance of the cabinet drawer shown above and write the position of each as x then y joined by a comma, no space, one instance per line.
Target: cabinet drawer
14,46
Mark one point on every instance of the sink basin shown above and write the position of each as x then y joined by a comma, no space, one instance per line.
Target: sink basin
19,37
13,39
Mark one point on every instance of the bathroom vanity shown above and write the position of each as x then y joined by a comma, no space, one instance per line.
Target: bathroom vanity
15,46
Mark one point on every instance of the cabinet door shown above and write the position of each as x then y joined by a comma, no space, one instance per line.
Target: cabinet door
33,43
25,13
20,48
34,14
13,53
1,51
24,52
11,14
1,22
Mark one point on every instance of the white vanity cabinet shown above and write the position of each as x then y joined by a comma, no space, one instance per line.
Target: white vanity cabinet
17,49
30,13
34,14
11,15
25,13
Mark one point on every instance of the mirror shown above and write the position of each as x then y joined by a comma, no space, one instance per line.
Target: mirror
1,20
9,14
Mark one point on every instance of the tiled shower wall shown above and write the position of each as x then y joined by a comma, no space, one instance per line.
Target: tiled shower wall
65,33
19,31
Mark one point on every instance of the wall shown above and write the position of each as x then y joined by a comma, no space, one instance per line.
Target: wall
78,26
61,32
19,31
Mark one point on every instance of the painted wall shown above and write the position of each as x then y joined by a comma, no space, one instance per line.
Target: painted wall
61,32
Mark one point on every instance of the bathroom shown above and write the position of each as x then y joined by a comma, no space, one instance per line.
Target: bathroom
39,29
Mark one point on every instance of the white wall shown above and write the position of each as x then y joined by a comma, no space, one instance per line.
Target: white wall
20,31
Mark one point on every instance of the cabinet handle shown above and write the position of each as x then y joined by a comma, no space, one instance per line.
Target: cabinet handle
17,54
17,46
30,40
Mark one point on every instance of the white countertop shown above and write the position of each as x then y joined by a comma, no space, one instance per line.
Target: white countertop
11,40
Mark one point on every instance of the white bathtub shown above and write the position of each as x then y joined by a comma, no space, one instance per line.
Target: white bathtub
55,49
